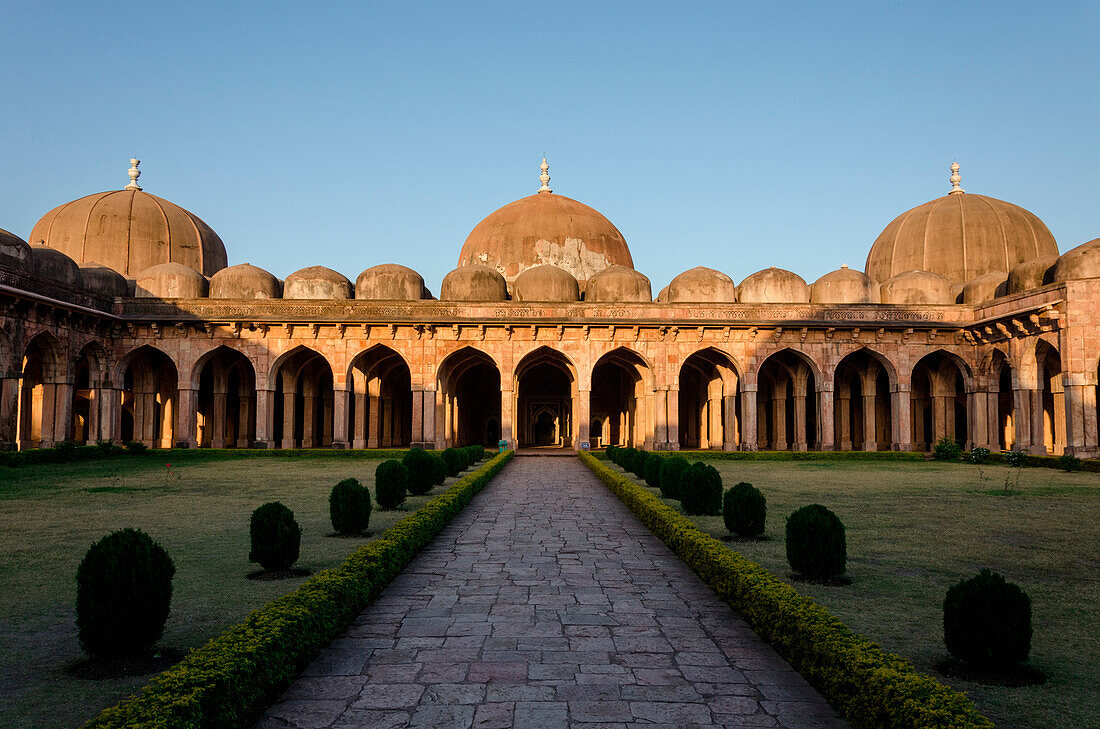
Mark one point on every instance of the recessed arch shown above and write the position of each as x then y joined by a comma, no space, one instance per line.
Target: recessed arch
787,402
1051,426
709,404
545,378
225,407
89,419
304,404
621,399
149,383
938,400
469,399
380,412
862,417
44,400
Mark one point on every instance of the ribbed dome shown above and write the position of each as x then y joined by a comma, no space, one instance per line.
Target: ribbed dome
546,229
844,286
244,281
14,251
618,283
54,264
317,282
1080,262
130,231
171,281
702,285
473,283
917,287
390,282
546,283
960,236
104,281
773,286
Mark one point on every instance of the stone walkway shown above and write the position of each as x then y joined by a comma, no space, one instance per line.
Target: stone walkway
546,604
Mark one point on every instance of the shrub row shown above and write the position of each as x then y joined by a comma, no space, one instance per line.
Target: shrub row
229,681
872,689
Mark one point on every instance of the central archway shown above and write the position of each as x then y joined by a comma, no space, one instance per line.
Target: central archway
468,404
619,400
546,384
709,407
381,409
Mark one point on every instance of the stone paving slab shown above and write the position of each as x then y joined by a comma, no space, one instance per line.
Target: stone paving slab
546,604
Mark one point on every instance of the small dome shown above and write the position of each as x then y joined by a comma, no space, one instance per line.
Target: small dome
14,251
130,230
1031,274
390,282
618,283
662,295
171,281
473,283
960,236
984,288
243,281
702,285
844,286
104,281
1080,262
54,264
546,283
317,282
773,286
917,287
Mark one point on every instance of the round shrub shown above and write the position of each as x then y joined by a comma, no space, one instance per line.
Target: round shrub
477,453
123,594
701,489
626,458
421,467
987,622
671,470
452,461
653,470
637,463
610,451
815,543
744,509
391,479
349,507
1069,462
464,458
439,471
946,449
276,537
978,455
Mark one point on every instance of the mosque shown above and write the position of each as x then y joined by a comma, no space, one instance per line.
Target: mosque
120,319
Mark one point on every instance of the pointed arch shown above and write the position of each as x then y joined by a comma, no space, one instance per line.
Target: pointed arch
545,378
788,415
225,408
708,401
89,414
862,384
621,399
381,408
941,381
44,393
468,399
148,379
304,399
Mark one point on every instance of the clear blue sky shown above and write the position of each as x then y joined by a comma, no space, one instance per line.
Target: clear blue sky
732,136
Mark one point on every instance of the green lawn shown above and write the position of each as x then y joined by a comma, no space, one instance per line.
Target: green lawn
915,529
198,511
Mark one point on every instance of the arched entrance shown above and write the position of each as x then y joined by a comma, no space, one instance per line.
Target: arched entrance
709,407
938,400
787,403
861,404
42,396
226,406
1053,399
303,411
620,400
380,412
1000,402
89,421
545,387
469,399
149,396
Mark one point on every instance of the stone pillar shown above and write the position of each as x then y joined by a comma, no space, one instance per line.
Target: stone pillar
581,412
1022,418
359,426
943,418
417,433
265,419
1038,414
9,412
387,421
188,401
63,412
429,418
825,419
339,418
673,399
730,434
1080,407
843,418
374,428
111,427
507,416
779,420
218,417
749,437
870,433
245,420
901,416
167,421
660,405
1058,396
289,421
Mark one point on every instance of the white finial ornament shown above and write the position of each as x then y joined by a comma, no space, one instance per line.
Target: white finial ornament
544,178
956,178
134,174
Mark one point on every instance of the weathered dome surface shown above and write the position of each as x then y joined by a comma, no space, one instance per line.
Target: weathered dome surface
52,263
473,283
545,228
1031,274
917,287
959,236
14,251
662,295
844,286
317,282
244,281
104,281
390,282
546,283
773,286
170,281
983,288
702,285
618,283
130,231
1080,262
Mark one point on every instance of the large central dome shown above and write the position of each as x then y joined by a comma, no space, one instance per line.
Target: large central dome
546,229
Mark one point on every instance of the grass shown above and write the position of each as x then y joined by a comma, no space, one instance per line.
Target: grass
198,510
915,529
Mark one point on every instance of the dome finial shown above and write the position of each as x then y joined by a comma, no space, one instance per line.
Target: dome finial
135,173
544,178
956,178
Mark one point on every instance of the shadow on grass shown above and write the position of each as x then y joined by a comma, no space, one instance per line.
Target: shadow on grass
142,664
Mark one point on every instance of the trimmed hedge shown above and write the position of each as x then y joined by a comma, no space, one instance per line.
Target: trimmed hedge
233,678
870,688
